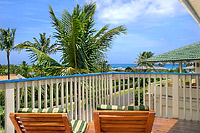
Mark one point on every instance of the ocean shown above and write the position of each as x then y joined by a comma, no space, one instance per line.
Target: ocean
168,65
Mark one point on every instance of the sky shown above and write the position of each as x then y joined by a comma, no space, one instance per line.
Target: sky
152,25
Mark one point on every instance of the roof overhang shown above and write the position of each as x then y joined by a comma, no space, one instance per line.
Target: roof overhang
193,7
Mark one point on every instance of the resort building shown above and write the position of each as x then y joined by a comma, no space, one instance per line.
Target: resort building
189,53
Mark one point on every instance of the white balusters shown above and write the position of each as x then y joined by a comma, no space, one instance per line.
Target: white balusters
128,89
57,100
39,94
144,89
197,87
62,93
87,117
102,88
111,89
93,100
83,98
33,94
71,98
105,96
99,78
81,95
25,95
155,92
123,90
190,94
67,92
166,95
160,96
75,97
115,99
119,91
17,96
149,91
107,88
96,91
184,98
45,94
90,97
79,98
51,94
138,89
133,90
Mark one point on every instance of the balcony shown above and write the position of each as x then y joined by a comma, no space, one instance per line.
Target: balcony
174,97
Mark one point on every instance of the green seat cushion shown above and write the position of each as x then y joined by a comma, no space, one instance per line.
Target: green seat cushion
45,110
53,110
122,108
29,110
78,126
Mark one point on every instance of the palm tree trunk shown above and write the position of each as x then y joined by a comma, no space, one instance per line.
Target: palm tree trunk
8,58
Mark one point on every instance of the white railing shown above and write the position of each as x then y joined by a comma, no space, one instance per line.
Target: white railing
170,95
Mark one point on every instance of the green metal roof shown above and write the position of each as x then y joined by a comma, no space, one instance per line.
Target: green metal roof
187,53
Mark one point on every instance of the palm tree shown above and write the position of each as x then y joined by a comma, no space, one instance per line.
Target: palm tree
142,57
25,70
43,45
82,45
7,43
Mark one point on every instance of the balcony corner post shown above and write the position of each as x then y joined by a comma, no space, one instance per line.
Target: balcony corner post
9,106
175,96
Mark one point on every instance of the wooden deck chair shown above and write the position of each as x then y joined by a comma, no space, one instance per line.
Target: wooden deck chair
32,120
123,121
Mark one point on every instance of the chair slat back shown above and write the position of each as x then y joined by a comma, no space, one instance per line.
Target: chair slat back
41,122
123,121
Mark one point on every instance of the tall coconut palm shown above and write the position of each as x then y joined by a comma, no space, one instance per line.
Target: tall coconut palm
142,57
7,43
82,45
43,45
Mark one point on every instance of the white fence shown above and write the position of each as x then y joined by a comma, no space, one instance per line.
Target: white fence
170,95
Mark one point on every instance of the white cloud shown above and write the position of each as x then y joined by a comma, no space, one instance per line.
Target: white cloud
137,40
7,2
123,11
36,19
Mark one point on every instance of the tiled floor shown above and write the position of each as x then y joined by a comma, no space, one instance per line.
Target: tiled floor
163,125
186,127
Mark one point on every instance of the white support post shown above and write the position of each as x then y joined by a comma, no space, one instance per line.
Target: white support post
180,65
9,106
175,97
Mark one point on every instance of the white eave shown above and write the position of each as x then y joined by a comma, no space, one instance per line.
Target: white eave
193,7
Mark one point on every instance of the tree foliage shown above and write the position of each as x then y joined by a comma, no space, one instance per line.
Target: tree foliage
43,45
82,45
7,43
142,57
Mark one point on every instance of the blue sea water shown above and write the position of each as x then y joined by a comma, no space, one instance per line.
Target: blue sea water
168,65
